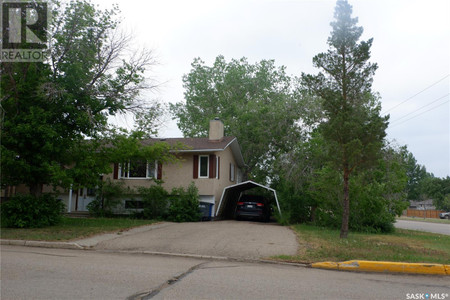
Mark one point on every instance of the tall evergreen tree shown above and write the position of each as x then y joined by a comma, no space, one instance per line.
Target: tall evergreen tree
352,127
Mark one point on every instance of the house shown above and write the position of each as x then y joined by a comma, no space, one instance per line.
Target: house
422,205
211,163
214,164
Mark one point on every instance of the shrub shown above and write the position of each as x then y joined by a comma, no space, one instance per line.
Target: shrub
295,204
184,205
28,211
155,200
283,219
108,197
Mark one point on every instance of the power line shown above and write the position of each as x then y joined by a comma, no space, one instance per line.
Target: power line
420,114
434,101
392,108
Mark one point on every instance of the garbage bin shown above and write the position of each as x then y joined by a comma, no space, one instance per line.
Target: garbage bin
206,211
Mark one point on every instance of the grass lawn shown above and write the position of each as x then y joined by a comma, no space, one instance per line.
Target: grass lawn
321,244
73,228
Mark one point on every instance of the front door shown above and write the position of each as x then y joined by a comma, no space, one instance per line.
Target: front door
85,196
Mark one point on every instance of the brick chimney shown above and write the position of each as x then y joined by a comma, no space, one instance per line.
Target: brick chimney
216,130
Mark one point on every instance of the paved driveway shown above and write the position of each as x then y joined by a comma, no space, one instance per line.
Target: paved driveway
251,240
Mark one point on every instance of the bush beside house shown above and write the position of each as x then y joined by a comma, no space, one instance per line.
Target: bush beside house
180,205
27,211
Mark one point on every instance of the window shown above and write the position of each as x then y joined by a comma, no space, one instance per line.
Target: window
134,204
203,166
138,169
91,192
218,167
232,172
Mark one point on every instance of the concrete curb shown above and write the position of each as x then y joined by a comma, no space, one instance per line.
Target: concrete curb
206,257
75,246
43,244
385,267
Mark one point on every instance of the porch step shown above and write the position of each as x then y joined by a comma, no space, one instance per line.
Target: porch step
78,214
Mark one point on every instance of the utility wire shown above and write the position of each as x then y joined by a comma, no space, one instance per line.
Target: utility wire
392,108
420,108
395,125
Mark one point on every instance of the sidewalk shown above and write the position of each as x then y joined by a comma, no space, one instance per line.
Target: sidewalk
86,243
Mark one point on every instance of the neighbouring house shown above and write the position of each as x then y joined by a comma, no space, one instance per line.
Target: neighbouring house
422,205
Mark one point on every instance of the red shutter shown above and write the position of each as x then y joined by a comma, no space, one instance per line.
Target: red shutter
212,166
116,171
159,175
218,167
195,167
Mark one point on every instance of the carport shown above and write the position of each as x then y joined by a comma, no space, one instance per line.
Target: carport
231,194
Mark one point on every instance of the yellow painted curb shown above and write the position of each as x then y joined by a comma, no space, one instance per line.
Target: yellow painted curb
386,267
325,265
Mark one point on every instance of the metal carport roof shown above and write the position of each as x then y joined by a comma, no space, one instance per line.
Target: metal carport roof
231,194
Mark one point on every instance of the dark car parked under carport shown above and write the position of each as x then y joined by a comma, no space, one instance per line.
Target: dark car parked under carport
252,207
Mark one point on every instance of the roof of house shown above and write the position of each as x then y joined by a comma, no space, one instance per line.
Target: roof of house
423,202
203,144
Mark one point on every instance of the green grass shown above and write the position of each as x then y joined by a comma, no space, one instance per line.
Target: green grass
321,244
73,228
427,220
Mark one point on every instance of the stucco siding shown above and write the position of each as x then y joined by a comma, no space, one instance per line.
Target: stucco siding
180,174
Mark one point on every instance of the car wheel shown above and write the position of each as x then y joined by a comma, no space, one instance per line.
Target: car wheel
447,217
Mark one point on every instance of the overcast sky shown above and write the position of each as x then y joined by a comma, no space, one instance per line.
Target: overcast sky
411,47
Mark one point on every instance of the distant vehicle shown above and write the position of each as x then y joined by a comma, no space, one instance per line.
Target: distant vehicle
445,215
252,207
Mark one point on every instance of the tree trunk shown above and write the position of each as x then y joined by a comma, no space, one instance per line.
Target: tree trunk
346,206
313,214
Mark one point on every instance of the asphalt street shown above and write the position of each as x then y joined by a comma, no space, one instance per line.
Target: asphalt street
424,226
40,273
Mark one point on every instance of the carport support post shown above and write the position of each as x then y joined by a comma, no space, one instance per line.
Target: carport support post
276,200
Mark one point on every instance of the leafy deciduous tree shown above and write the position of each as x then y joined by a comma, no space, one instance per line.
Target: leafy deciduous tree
253,100
437,189
49,109
416,175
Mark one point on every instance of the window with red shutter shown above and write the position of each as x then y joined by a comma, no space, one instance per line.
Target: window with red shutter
195,167
159,172
116,171
212,166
